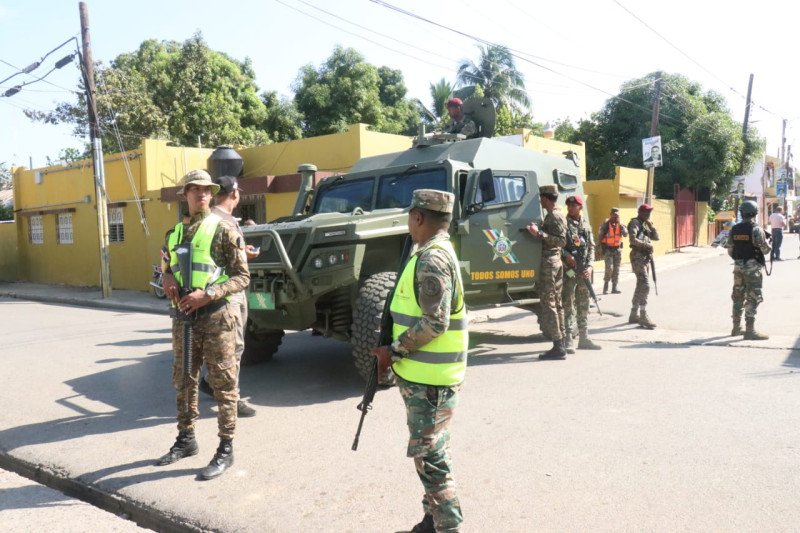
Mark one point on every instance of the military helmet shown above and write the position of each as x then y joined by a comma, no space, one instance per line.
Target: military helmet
748,208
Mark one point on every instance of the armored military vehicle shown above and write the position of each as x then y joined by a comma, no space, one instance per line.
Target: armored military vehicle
330,266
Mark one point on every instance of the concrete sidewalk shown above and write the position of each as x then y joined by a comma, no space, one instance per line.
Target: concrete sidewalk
146,302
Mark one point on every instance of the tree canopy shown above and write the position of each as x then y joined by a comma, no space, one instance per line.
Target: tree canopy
170,90
346,89
496,74
702,144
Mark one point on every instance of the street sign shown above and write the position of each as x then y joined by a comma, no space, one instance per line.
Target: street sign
651,152
780,189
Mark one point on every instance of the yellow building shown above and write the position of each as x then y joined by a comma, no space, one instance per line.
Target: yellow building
55,238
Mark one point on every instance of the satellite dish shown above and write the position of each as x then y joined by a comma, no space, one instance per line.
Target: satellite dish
482,112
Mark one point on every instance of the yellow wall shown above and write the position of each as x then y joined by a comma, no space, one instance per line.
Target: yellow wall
8,251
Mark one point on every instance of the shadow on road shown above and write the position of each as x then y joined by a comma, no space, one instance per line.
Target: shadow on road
110,481
32,497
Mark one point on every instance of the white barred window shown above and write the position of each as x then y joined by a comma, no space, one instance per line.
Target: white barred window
35,230
116,227
64,228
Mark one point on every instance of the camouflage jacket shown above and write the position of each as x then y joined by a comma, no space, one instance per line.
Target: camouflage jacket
579,242
464,126
641,235
554,230
227,251
437,286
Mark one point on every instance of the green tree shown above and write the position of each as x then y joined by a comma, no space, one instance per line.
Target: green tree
69,155
5,176
171,90
701,143
496,74
346,90
282,119
435,115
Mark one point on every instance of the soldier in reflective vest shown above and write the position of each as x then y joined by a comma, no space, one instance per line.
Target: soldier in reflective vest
610,237
429,352
215,243
747,245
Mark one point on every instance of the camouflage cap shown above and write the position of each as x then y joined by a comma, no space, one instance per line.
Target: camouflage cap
433,200
198,177
552,190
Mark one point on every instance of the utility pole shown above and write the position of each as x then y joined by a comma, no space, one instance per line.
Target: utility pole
651,172
744,124
97,154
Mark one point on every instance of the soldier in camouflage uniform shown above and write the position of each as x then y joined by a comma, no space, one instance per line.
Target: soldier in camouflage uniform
551,273
459,123
641,232
747,245
214,324
428,354
578,255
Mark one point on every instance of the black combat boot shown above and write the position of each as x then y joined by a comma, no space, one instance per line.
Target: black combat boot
185,446
243,410
615,290
645,321
605,287
556,352
634,316
737,325
221,461
426,526
750,333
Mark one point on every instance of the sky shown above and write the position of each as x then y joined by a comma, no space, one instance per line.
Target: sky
574,54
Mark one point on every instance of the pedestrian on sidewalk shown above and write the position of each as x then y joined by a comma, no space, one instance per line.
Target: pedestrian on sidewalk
225,202
553,235
777,223
747,245
578,256
215,243
641,232
610,237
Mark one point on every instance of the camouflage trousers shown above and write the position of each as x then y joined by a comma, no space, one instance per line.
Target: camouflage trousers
641,268
746,295
213,341
575,297
613,258
551,315
429,412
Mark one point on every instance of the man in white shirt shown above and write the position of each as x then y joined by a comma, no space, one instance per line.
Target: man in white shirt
777,222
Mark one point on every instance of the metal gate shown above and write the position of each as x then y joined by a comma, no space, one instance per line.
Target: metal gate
684,217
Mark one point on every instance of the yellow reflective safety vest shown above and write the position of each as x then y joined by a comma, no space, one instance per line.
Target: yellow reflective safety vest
202,263
443,361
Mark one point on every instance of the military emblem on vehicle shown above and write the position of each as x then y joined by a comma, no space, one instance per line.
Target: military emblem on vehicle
501,245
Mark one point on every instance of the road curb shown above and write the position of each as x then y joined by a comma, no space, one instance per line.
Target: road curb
142,515
80,302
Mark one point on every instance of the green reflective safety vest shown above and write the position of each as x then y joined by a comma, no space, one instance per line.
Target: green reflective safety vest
202,263
443,361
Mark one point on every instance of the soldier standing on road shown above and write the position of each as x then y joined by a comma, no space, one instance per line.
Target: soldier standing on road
610,237
578,256
215,243
551,273
746,244
429,353
225,202
641,232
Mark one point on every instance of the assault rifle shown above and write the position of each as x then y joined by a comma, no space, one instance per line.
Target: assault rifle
384,339
640,236
580,269
760,255
184,253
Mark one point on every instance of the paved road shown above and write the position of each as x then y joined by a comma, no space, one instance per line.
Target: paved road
649,434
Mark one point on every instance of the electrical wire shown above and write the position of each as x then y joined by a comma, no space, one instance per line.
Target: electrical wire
33,66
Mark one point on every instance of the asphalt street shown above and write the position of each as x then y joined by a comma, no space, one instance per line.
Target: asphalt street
680,428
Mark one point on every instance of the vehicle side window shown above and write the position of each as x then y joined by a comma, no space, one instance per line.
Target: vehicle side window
395,190
344,197
507,189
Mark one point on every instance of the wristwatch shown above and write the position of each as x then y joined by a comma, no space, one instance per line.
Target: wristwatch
211,292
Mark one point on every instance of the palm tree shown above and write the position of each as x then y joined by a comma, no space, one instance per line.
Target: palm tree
440,92
498,77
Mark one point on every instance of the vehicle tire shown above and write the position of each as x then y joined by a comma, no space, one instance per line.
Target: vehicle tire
367,313
260,345
159,292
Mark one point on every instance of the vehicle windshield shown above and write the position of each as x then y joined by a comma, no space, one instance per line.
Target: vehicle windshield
394,190
345,196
